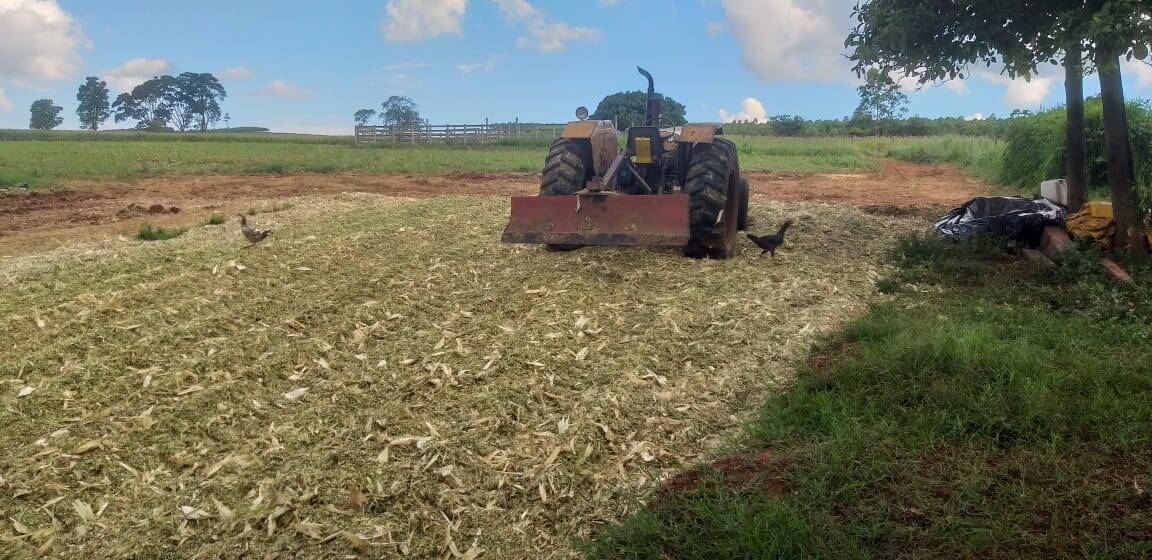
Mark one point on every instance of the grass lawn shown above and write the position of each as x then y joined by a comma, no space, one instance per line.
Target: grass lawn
46,159
984,410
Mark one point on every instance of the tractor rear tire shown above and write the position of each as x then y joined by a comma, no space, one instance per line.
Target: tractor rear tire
566,169
742,223
711,174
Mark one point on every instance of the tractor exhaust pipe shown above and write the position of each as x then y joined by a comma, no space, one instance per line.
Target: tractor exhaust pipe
655,108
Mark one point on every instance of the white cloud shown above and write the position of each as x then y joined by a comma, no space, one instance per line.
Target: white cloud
486,66
1020,93
279,88
402,82
517,9
238,73
135,72
5,105
405,66
554,37
792,40
543,34
38,41
411,21
976,117
1143,73
751,109
959,87
715,28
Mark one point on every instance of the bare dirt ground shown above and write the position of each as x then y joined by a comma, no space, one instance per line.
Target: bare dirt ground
39,220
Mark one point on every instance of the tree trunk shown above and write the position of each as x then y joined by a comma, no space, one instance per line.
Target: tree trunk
1129,227
1076,147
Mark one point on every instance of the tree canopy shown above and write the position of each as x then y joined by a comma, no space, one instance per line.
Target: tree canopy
188,101
399,110
880,98
93,108
363,116
198,98
628,108
45,115
148,103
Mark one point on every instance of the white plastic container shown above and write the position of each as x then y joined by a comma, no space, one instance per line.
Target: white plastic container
1055,190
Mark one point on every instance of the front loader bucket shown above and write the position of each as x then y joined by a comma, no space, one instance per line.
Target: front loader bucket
599,219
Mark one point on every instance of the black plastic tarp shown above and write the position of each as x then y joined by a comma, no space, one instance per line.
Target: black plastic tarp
1012,217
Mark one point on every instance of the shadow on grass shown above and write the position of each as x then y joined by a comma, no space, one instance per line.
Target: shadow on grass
988,409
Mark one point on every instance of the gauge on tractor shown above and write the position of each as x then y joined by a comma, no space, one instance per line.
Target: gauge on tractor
582,113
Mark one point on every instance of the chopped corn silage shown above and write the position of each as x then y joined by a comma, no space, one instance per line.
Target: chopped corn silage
383,377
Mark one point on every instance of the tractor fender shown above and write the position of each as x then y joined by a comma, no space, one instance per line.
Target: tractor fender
699,132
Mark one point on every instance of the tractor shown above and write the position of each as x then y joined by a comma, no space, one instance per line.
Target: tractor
671,186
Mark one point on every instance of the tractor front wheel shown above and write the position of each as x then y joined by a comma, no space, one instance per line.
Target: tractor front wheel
565,171
714,200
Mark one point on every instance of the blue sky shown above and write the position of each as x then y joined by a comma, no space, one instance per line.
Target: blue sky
297,66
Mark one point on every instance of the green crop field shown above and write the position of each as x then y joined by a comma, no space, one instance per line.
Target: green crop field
49,159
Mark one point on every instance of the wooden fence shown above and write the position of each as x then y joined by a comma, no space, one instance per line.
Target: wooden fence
452,133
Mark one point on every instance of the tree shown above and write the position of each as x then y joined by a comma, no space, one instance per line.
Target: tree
399,111
880,97
363,116
1075,139
45,115
628,108
939,42
1118,29
196,100
94,108
787,125
148,103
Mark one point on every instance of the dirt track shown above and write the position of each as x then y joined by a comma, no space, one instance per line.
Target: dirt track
31,221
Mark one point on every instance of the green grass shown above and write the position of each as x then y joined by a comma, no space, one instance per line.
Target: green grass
11,135
216,219
51,158
46,163
980,157
987,410
149,232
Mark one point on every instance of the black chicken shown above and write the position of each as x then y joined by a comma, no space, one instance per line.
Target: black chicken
253,235
771,242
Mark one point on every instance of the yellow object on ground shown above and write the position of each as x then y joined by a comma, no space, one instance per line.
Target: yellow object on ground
1095,221
1099,209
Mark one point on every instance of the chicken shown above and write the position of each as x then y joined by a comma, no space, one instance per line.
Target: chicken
769,243
253,235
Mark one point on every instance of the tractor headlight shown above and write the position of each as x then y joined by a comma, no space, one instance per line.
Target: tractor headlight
582,113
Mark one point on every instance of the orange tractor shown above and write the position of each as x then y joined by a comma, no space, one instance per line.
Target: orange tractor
672,186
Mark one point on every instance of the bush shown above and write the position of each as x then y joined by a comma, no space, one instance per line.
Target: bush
1035,148
216,219
149,232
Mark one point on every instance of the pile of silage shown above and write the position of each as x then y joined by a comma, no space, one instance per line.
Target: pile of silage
385,378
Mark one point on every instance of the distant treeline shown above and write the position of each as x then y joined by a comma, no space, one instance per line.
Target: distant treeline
791,125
